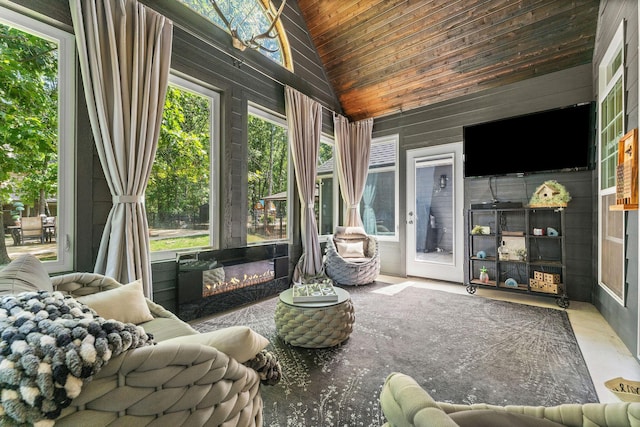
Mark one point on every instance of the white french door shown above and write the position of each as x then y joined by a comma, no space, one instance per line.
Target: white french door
434,213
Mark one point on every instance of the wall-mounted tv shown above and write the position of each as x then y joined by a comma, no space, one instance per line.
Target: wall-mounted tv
561,139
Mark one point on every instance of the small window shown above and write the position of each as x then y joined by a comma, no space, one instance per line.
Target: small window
180,197
379,204
249,18
268,177
326,202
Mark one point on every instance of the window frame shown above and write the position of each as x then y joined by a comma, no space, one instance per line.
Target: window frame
606,84
66,204
279,120
268,11
189,84
335,214
395,139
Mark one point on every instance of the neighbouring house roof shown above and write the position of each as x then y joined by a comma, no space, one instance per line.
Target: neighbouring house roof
381,155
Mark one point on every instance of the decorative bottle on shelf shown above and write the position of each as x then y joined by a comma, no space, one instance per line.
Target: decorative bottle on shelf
503,253
484,276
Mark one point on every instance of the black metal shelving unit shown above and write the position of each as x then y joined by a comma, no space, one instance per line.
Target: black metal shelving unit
521,249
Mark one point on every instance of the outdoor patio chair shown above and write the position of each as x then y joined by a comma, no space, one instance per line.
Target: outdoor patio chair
30,228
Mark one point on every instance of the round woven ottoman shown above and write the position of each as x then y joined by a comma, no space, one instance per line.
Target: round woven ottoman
314,324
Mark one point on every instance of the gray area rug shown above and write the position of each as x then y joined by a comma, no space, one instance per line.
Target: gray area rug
460,348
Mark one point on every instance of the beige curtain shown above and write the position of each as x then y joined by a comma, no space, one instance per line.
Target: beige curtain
304,119
125,52
353,149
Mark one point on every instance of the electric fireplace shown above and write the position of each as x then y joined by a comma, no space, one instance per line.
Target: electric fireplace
214,281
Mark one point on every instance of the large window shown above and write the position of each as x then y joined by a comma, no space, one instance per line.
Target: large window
611,271
379,204
180,199
37,107
267,177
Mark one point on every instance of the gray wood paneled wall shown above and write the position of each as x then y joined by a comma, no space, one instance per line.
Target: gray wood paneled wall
623,319
443,123
578,232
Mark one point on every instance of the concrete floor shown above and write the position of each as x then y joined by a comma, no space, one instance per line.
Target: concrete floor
604,353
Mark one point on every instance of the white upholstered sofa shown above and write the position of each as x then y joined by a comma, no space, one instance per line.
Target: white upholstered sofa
178,378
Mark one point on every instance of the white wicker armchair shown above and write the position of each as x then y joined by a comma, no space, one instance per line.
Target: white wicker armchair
352,257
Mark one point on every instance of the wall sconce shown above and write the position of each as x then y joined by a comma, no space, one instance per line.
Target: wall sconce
443,181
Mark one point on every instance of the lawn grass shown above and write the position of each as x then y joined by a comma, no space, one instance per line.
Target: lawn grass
200,241
174,243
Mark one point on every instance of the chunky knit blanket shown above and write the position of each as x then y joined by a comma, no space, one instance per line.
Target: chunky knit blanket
50,344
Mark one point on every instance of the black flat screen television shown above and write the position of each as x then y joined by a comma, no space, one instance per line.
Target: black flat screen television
561,139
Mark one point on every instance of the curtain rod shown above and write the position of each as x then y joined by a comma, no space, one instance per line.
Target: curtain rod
241,61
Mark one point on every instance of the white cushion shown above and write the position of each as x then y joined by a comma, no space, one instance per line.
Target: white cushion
25,273
350,232
126,304
240,342
350,249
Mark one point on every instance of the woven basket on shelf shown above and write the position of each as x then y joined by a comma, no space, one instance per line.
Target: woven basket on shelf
626,390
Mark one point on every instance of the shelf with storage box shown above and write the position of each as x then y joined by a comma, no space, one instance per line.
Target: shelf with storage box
517,249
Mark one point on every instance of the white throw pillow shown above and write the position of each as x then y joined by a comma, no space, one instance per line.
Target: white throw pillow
240,342
25,273
350,232
350,249
126,304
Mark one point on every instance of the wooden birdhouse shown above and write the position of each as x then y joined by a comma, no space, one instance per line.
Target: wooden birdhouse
627,173
550,194
546,192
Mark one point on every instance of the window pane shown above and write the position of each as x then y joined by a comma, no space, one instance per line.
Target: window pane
178,193
610,133
378,207
378,203
267,180
324,204
36,211
324,187
248,18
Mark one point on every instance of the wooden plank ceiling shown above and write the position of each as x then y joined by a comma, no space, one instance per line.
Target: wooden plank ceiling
387,56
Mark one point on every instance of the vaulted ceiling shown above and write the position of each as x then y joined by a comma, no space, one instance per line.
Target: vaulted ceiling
387,56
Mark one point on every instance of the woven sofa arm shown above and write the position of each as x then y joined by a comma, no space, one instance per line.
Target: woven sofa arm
405,403
568,414
178,385
80,284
